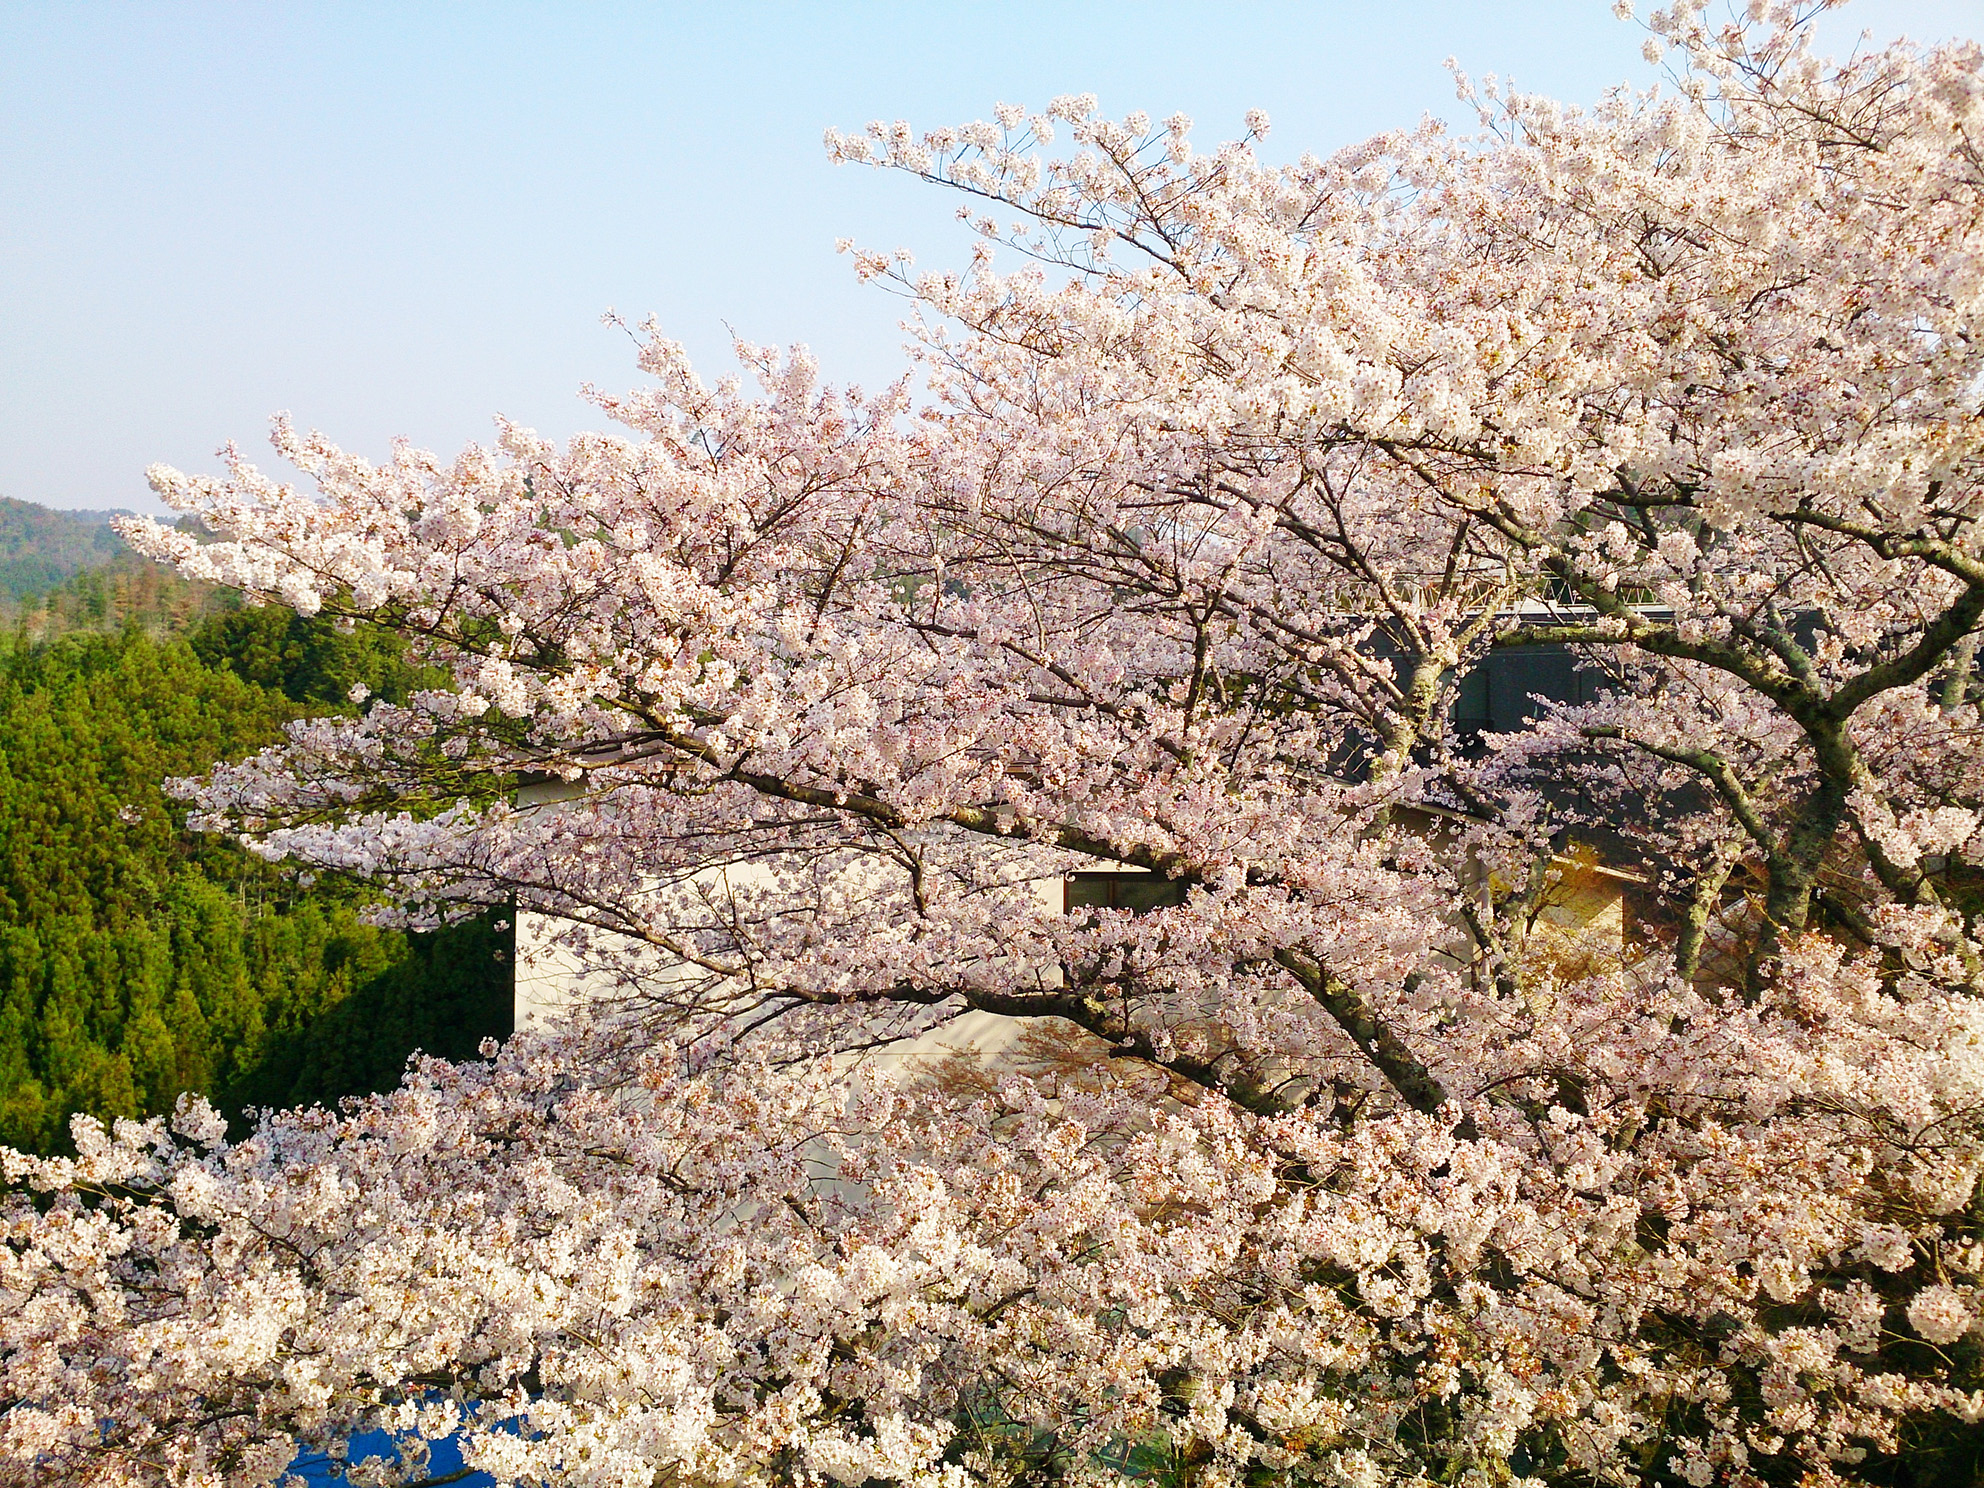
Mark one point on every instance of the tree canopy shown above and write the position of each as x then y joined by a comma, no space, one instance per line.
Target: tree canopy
138,962
1175,565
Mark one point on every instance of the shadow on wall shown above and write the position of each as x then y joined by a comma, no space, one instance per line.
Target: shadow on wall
452,990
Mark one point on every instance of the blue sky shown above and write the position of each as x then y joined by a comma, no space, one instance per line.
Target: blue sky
400,219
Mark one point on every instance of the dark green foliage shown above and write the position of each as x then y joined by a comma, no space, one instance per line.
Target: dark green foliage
138,960
441,993
89,728
307,660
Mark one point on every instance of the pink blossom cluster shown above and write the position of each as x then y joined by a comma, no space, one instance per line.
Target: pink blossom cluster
1170,559
703,1273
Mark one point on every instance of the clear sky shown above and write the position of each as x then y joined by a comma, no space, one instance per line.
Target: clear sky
400,219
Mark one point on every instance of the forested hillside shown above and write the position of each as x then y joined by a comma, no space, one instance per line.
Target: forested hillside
39,547
64,572
138,960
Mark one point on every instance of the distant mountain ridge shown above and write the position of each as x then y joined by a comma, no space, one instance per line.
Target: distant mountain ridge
41,548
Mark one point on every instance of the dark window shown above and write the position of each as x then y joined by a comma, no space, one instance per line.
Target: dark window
1132,891
1471,700
1517,674
1499,695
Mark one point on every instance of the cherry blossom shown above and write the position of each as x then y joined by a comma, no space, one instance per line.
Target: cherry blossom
1168,556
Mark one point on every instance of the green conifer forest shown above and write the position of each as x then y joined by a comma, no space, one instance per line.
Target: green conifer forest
139,960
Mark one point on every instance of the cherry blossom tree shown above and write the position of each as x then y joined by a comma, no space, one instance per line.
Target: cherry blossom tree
1167,558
